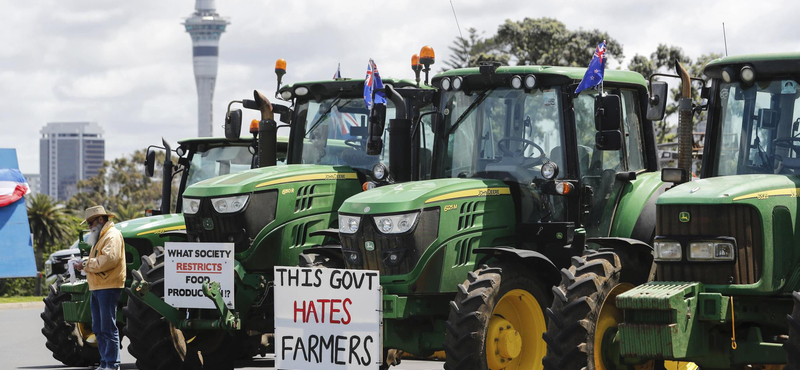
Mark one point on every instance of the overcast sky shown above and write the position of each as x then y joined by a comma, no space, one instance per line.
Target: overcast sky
128,64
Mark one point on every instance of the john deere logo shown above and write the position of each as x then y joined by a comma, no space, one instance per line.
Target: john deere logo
370,246
208,223
684,217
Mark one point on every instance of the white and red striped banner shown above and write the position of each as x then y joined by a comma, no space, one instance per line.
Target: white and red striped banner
12,186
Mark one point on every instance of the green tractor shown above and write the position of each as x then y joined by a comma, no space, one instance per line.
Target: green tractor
524,172
271,216
725,294
67,314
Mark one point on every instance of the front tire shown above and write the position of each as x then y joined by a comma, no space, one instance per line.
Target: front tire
153,341
792,346
497,320
64,339
584,311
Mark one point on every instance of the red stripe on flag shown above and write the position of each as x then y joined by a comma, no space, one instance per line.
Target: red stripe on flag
16,195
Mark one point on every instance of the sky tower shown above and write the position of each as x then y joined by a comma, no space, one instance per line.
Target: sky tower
205,26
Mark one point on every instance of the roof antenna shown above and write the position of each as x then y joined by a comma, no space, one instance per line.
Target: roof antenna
456,17
725,37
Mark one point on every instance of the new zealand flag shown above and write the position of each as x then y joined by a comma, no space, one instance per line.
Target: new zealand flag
373,82
594,74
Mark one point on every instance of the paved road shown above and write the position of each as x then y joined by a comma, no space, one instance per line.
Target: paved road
22,346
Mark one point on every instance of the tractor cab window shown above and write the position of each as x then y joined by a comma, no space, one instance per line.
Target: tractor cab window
335,133
218,161
505,134
759,128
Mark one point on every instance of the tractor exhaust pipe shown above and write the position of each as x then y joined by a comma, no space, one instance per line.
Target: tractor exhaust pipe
399,138
267,132
166,183
685,126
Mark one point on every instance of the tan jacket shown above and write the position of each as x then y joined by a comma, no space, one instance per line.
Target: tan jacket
106,264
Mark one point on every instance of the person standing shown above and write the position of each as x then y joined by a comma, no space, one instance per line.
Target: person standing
105,271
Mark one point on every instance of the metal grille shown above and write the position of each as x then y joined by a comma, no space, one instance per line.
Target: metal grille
304,198
741,222
469,212
238,228
412,244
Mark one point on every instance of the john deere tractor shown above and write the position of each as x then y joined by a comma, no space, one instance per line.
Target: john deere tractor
271,215
67,316
726,257
524,172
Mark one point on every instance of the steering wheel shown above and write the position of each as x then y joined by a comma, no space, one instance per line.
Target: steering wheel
355,143
787,142
527,143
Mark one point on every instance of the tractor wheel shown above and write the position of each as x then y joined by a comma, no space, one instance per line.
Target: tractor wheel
584,312
155,343
792,346
66,340
497,320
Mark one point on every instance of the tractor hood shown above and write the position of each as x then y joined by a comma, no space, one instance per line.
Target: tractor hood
151,225
263,178
420,194
732,189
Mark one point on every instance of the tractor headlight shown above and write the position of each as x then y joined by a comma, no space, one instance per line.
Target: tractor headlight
457,83
530,81
379,172
549,170
516,82
748,74
191,206
668,250
711,251
396,224
445,84
348,224
301,91
230,204
286,94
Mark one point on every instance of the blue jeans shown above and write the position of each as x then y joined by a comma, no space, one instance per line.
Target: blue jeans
104,325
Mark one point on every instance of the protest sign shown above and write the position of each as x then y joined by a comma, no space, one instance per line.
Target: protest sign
188,265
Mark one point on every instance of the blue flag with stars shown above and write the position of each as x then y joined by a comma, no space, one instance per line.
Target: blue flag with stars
373,82
594,73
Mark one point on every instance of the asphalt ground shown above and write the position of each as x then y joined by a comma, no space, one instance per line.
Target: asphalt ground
22,345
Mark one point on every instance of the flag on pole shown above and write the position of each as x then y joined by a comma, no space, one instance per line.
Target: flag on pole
13,186
594,73
338,73
373,82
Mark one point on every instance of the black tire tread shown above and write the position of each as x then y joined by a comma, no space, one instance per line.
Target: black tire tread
792,346
61,339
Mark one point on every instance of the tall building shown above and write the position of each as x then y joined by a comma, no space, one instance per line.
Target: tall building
69,152
205,26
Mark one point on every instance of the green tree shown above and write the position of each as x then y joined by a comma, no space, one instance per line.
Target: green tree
470,51
52,227
122,187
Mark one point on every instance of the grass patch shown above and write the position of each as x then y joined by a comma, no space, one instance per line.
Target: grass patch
20,299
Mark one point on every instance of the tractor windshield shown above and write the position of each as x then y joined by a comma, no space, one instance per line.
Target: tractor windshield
759,130
501,133
335,133
217,161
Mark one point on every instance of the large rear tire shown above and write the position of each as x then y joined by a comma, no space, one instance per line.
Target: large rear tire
497,320
792,346
65,340
153,341
584,311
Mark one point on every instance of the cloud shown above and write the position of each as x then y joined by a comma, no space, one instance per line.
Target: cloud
127,65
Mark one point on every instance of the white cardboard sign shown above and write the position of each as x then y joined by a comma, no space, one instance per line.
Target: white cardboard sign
327,319
188,265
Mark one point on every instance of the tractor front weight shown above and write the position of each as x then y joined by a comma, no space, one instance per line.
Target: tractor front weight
681,321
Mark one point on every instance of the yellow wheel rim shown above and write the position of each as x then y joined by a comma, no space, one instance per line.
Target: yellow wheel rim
514,334
609,318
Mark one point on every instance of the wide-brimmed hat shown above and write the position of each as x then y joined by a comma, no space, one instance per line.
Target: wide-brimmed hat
94,212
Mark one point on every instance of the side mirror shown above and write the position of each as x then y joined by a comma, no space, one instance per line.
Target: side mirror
608,112
768,118
150,163
608,140
233,124
284,112
657,106
377,121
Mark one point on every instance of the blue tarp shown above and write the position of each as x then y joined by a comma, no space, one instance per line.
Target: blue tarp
16,246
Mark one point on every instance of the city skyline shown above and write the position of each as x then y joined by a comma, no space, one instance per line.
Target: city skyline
69,152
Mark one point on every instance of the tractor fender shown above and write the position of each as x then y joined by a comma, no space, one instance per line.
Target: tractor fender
645,227
634,250
545,269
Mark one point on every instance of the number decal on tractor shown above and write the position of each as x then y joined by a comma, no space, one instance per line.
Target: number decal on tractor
450,207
